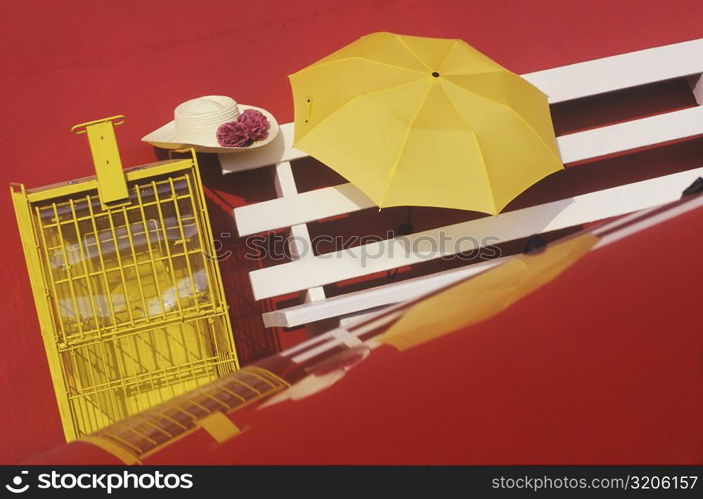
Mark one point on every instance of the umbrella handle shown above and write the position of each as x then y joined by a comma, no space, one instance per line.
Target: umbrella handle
405,229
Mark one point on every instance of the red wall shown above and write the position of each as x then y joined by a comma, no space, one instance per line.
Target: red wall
67,62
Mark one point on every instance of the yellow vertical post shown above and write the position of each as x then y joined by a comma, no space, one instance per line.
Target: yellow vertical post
112,186
40,290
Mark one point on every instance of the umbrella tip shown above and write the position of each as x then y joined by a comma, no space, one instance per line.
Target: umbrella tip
695,188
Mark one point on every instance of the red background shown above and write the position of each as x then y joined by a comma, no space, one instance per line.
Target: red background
65,63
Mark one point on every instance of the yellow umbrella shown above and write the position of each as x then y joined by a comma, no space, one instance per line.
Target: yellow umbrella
424,122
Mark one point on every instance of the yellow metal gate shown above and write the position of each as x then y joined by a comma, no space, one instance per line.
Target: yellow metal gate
127,287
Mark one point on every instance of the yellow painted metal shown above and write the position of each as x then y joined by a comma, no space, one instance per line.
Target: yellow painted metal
112,187
129,296
219,427
137,437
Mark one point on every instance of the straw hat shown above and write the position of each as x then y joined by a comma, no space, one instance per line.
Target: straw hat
196,123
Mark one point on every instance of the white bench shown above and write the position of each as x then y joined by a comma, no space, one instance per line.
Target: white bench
308,273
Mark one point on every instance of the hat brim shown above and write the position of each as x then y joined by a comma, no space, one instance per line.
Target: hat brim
165,137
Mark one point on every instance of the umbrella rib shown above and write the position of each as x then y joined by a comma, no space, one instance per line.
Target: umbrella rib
557,156
478,145
402,145
499,69
357,97
412,52
483,162
446,56
353,57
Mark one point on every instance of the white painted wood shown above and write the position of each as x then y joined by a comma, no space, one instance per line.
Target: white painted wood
299,243
357,317
696,82
283,180
422,246
654,217
631,135
378,296
620,71
314,294
305,207
560,84
345,198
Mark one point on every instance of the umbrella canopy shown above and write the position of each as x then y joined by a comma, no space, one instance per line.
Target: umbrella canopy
424,122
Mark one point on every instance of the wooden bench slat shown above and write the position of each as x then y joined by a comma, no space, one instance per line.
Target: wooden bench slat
301,208
629,135
378,296
619,71
415,248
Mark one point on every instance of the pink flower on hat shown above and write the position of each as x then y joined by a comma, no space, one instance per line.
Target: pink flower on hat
233,134
256,122
249,127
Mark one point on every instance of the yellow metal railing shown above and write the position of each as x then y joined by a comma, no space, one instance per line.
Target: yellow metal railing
134,438
128,292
